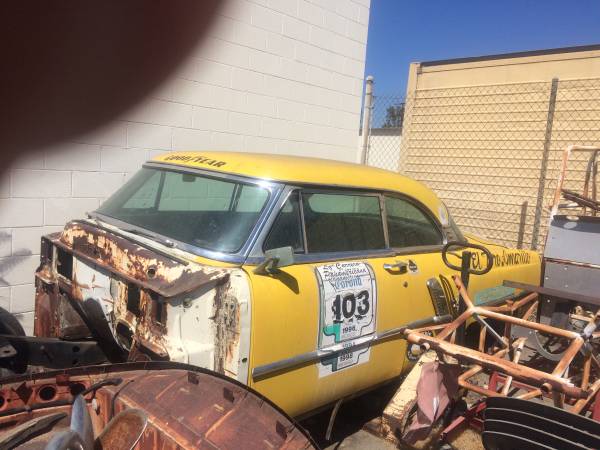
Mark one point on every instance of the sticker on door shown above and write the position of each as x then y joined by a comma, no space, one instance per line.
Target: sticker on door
348,311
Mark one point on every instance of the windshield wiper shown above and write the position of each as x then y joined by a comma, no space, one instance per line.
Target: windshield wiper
165,242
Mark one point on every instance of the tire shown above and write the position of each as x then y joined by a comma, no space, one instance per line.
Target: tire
9,324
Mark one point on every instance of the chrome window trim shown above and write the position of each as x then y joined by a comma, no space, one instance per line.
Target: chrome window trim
302,221
304,258
239,257
256,255
256,249
383,209
418,250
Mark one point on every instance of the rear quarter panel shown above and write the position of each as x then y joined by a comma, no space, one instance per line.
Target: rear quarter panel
509,264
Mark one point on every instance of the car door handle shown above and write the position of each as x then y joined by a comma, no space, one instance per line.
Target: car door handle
400,265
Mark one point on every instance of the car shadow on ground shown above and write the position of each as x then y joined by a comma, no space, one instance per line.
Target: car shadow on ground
353,414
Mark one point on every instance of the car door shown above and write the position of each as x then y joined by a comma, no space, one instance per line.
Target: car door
340,292
415,276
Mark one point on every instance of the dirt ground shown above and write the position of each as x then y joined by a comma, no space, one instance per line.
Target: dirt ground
348,430
352,416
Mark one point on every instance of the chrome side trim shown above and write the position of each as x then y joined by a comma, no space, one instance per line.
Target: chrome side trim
303,258
284,365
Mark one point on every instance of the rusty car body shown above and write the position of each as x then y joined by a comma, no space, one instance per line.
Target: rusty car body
287,274
140,405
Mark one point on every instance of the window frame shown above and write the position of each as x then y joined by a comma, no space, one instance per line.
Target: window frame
427,213
257,253
276,213
342,191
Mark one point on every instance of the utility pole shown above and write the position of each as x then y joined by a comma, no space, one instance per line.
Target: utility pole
366,123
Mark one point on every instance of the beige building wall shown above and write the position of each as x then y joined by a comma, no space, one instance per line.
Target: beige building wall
501,69
487,134
275,76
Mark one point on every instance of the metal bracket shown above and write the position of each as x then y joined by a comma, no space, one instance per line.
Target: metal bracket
54,353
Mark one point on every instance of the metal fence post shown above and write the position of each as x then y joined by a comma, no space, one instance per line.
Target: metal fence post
366,123
544,165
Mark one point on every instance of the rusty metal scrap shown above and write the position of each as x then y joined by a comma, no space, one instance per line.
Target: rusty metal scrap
226,317
561,383
186,407
590,177
96,283
149,269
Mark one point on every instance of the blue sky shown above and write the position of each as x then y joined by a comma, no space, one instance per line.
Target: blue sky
403,31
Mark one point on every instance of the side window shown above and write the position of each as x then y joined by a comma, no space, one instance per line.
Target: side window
287,228
342,222
408,226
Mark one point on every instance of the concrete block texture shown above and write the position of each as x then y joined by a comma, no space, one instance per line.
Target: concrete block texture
274,76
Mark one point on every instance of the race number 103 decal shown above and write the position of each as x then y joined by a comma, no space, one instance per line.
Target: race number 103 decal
348,310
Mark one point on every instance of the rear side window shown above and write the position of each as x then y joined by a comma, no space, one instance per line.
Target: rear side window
342,222
409,226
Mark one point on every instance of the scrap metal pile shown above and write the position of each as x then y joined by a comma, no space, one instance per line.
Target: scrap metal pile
531,378
566,381
509,364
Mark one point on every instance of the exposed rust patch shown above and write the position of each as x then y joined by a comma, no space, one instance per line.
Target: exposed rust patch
186,408
152,270
150,333
70,325
226,317
47,315
156,276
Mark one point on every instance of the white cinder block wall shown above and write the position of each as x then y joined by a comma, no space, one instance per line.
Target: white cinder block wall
277,76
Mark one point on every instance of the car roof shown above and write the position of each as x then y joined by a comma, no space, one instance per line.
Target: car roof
302,170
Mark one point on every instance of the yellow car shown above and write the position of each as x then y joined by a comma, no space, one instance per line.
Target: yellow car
285,273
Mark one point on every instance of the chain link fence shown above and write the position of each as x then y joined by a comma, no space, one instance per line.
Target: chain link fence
385,134
493,153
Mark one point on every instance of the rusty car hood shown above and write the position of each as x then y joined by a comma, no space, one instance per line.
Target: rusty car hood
167,275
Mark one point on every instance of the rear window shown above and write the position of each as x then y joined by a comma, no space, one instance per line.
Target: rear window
342,222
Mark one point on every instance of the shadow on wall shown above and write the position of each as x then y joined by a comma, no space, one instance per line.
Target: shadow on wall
9,263
79,64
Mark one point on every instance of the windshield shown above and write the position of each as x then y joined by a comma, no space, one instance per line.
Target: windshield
213,213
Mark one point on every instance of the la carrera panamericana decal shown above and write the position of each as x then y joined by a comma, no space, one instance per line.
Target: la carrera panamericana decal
348,310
